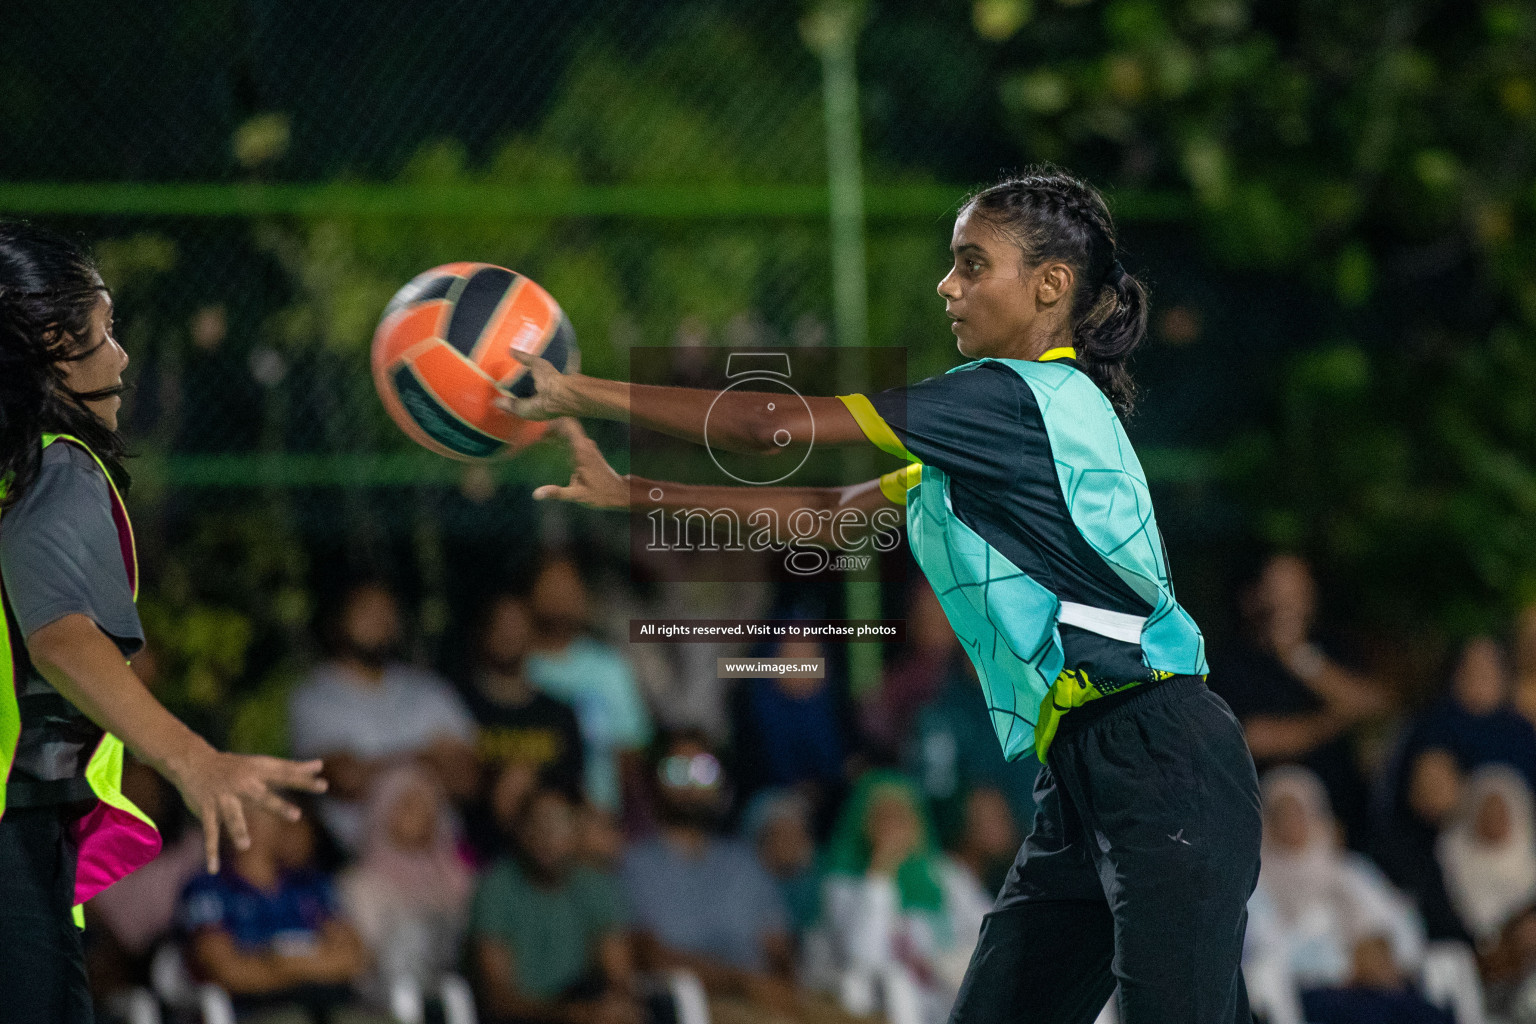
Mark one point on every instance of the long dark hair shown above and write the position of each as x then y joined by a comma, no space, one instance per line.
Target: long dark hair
49,288
1051,215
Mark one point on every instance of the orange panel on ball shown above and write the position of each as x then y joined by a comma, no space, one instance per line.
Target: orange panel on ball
523,322
407,327
465,391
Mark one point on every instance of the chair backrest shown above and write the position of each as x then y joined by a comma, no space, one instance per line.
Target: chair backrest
1449,979
1272,990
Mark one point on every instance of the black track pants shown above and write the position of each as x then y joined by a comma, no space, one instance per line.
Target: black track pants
42,958
1144,851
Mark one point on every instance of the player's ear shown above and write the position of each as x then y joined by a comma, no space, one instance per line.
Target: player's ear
1053,282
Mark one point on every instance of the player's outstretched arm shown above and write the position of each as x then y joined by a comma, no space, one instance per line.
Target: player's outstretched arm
595,484
739,421
86,667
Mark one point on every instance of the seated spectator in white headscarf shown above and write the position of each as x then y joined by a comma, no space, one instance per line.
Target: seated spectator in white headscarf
1315,900
1488,852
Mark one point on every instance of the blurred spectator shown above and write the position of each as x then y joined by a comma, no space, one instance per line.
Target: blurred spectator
1377,992
518,722
526,737
988,842
492,821
1488,852
365,711
701,902
954,750
265,928
408,895
778,825
1315,900
1509,970
893,900
592,677
547,933
915,676
1477,722
793,731
1525,662
1421,806
599,841
1296,703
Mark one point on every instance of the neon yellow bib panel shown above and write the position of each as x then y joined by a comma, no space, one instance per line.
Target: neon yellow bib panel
114,838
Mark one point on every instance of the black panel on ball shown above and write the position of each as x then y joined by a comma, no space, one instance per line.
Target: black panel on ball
437,288
476,305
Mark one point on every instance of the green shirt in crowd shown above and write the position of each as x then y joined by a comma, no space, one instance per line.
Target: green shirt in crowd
551,932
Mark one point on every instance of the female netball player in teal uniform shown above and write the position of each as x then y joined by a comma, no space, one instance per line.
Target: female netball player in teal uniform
1029,513
68,580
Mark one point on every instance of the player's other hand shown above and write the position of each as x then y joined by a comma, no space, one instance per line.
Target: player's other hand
593,481
553,394
218,787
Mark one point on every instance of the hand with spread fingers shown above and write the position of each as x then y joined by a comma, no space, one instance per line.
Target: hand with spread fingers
593,482
219,788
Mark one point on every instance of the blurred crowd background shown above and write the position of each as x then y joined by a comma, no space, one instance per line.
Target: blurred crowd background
1334,206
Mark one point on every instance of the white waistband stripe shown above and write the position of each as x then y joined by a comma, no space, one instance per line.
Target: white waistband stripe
1115,625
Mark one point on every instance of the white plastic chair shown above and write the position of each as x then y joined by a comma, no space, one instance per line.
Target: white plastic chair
688,997
174,984
1272,990
890,992
408,1003
136,1006
1449,979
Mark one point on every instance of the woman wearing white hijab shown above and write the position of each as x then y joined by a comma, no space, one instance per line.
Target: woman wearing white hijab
1488,852
1316,900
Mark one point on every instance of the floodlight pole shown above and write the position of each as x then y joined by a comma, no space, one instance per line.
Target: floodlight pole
831,30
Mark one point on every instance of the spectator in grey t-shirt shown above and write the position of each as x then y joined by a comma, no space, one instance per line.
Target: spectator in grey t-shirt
364,711
702,902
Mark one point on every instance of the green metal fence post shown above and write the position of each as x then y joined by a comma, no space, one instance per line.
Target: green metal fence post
831,29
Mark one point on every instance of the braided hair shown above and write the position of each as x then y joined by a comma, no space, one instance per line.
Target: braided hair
1050,215
49,289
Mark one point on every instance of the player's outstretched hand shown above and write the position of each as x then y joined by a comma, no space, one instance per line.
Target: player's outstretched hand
219,786
593,481
553,395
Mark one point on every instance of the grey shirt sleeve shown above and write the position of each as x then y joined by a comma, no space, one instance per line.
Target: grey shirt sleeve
60,554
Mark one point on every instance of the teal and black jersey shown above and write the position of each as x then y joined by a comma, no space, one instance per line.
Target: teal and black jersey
1030,516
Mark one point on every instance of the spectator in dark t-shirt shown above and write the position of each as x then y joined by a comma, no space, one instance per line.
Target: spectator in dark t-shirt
519,722
1377,992
1296,704
1476,722
527,738
793,732
915,676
